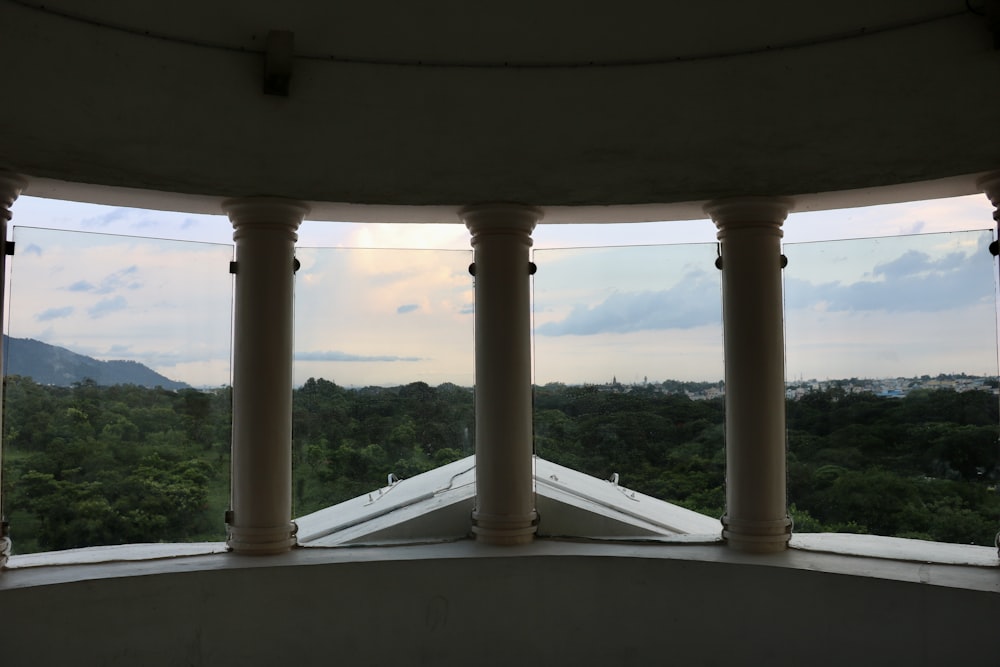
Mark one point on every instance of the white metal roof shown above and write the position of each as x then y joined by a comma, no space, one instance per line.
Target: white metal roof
437,505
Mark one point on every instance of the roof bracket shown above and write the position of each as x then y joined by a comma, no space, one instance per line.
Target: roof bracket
991,10
278,62
993,17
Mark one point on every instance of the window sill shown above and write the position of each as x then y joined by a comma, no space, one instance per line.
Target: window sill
115,554
896,548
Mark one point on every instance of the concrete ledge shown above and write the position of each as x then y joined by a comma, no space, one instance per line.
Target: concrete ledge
880,558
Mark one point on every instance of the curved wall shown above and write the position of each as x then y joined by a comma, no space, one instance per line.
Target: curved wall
838,104
611,606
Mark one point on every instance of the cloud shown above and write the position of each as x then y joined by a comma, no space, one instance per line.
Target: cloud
407,308
107,306
693,302
914,262
106,219
467,309
916,228
121,279
54,313
112,282
333,355
912,282
33,249
81,286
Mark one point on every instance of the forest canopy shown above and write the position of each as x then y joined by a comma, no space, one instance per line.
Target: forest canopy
90,465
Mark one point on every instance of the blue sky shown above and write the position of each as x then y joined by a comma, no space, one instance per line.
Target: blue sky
627,313
902,305
907,305
166,304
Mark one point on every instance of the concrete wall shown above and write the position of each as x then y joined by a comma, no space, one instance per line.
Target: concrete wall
496,609
115,107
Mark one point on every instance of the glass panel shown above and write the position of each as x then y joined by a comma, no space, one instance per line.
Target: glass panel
383,368
892,385
117,413
629,368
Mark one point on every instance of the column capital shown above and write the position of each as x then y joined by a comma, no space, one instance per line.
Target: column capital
266,212
990,186
500,218
749,211
11,187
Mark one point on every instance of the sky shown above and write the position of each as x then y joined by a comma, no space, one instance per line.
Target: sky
390,304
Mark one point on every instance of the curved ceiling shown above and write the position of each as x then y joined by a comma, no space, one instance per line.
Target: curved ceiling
560,104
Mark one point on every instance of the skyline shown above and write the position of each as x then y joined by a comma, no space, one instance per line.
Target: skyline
384,317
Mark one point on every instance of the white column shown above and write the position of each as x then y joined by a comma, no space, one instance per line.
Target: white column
756,516
990,186
11,186
265,235
505,499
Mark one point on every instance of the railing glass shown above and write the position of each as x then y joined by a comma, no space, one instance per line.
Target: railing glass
628,369
383,369
891,354
117,403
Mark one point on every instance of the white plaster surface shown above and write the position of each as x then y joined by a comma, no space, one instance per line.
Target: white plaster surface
897,548
722,110
116,553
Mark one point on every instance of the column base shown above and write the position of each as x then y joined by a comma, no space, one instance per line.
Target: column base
5,547
757,536
504,530
262,541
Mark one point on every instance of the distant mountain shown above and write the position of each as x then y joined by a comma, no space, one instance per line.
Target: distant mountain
48,364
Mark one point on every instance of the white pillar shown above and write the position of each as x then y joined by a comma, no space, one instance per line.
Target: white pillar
265,235
756,516
990,186
505,499
11,186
